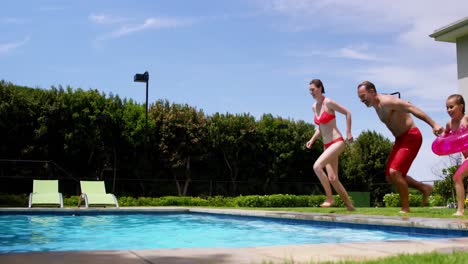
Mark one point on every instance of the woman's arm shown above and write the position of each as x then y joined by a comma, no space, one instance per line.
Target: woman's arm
314,137
342,110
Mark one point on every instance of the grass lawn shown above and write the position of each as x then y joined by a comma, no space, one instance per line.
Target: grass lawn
431,212
435,258
429,258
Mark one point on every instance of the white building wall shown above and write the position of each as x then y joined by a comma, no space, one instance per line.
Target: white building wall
462,61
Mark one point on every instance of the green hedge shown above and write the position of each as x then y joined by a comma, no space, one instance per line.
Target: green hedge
10,200
276,200
393,200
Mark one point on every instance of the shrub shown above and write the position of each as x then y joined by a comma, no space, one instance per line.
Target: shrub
71,201
436,200
276,200
220,201
393,200
11,200
249,201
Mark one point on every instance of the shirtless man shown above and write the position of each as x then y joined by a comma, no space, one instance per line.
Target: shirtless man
395,114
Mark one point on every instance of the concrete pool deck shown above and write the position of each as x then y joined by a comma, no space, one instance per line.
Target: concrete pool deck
310,253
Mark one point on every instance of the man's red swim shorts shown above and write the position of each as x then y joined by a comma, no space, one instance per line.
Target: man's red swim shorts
404,151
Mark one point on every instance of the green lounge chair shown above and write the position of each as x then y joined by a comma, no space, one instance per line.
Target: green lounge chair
93,193
45,192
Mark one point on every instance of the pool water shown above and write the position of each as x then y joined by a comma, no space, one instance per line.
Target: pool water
26,233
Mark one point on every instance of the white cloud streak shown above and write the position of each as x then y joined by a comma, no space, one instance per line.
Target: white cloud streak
6,48
153,23
345,53
428,82
408,61
103,19
414,20
12,21
350,53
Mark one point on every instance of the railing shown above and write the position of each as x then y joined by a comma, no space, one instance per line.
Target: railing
16,175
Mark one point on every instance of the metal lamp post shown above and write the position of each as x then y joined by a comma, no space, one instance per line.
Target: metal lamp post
143,77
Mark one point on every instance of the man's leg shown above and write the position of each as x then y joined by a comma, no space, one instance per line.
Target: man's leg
425,189
403,154
400,183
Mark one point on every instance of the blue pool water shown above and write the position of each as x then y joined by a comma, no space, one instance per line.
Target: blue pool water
26,233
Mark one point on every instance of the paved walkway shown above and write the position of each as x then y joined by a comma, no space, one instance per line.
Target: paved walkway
274,254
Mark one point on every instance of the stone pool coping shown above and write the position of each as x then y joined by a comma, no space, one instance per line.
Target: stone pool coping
275,254
402,221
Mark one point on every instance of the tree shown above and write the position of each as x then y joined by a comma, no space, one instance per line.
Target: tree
445,186
18,119
283,147
182,132
233,136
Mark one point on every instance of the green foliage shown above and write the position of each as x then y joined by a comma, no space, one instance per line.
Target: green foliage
445,187
436,200
393,200
363,165
182,135
233,139
71,201
130,201
426,258
11,200
277,200
220,201
97,136
280,200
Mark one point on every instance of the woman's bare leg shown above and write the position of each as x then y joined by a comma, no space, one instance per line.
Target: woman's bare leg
332,171
327,156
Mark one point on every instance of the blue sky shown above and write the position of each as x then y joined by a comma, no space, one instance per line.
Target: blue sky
254,56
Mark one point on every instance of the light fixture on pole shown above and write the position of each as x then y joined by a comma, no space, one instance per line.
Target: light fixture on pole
143,77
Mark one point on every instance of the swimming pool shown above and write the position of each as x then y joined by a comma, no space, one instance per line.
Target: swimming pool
117,231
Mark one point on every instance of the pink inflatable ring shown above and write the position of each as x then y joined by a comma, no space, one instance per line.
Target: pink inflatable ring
452,142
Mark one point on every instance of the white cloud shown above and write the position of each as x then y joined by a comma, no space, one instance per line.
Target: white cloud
428,82
412,20
148,24
12,20
6,48
408,60
104,19
52,8
355,53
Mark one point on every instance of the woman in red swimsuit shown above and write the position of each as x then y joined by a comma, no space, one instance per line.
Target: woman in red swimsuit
324,117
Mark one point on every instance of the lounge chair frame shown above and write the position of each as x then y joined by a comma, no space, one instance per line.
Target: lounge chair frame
84,196
36,186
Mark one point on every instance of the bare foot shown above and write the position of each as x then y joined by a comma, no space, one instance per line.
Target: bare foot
404,211
458,213
427,189
350,208
327,204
